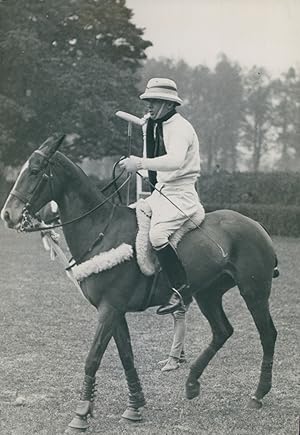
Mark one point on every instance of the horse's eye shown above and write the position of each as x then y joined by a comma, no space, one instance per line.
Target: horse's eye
34,170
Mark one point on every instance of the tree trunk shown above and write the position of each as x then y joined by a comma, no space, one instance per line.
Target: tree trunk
257,143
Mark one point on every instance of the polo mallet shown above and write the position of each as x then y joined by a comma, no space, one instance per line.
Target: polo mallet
131,119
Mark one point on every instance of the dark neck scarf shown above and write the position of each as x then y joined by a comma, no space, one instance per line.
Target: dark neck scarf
155,146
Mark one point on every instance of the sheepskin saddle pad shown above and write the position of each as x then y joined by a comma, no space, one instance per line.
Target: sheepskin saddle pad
145,253
103,261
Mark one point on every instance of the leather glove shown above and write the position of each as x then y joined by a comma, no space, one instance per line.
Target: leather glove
131,164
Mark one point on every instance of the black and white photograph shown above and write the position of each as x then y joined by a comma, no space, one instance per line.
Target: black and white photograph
150,217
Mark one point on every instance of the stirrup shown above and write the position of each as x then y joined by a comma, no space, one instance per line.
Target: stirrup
170,308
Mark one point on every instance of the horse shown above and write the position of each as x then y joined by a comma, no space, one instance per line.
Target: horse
227,250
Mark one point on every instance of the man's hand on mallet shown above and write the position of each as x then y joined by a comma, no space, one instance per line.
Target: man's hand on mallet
131,164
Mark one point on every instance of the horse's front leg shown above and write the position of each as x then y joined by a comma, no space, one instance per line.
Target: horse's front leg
136,397
106,320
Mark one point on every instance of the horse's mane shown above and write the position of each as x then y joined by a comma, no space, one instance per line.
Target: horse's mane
75,172
68,164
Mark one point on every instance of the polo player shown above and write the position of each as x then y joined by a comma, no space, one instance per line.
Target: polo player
173,164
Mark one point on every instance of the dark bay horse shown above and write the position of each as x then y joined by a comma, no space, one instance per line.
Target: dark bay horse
228,249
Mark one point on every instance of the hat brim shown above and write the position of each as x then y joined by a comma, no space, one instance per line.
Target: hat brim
161,96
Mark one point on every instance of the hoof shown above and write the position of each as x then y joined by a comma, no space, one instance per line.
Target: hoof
163,362
73,431
192,389
171,364
132,414
79,424
255,403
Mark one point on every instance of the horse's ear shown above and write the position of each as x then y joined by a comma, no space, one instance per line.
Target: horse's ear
51,145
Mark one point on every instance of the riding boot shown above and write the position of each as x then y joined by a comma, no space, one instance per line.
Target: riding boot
173,268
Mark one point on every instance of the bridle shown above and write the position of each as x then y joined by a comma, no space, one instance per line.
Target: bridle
27,224
45,178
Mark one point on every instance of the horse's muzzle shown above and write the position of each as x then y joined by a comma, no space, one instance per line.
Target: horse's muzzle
9,219
5,216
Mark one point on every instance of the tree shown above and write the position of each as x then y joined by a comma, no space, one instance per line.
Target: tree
257,120
204,117
67,66
215,101
286,95
229,96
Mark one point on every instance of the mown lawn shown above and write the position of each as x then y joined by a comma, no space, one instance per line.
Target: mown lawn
47,327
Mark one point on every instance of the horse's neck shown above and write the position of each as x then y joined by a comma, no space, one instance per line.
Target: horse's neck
75,202
78,197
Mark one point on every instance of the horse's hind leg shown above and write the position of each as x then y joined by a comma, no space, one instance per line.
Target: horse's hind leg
211,307
259,309
136,395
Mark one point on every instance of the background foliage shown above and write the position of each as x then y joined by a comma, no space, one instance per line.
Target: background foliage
280,188
70,65
270,198
245,119
67,66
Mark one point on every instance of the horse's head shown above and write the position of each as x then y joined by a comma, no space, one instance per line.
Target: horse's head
34,185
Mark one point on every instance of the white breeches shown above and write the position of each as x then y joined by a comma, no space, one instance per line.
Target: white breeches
166,218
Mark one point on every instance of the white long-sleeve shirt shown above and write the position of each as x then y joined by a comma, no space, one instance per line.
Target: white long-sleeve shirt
182,161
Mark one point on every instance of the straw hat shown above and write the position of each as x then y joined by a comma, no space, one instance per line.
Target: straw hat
161,89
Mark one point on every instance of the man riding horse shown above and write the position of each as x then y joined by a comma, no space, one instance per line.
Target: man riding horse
173,164
228,249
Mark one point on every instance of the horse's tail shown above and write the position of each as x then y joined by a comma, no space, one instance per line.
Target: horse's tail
276,272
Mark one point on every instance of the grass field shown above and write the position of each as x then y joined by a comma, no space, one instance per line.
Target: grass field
47,327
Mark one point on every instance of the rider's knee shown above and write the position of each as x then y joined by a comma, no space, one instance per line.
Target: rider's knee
158,238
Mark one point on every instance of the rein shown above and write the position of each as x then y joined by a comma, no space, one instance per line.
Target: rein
50,227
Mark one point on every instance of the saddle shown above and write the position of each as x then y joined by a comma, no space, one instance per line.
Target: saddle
145,254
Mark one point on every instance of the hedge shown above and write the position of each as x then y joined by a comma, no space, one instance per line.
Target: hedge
277,219
254,188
